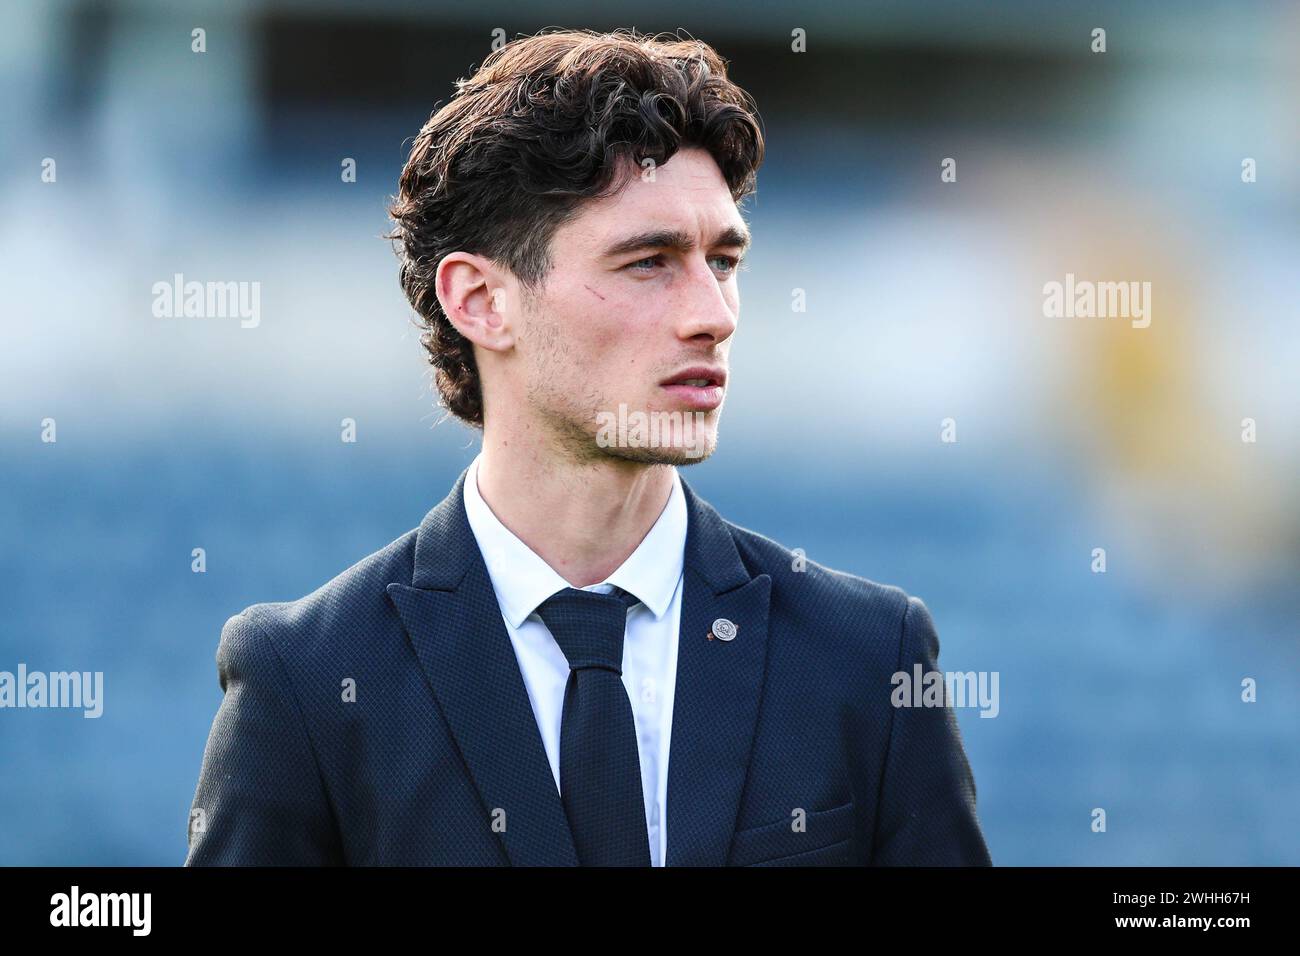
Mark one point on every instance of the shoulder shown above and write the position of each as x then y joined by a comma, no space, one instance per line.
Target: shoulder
794,569
816,602
348,605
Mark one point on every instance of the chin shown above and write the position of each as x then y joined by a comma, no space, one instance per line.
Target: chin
664,455
657,435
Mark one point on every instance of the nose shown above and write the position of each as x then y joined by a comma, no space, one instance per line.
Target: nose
709,309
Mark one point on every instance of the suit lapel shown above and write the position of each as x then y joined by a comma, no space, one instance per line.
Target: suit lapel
452,617
453,620
716,700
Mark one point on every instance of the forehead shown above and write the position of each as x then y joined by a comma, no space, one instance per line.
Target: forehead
688,193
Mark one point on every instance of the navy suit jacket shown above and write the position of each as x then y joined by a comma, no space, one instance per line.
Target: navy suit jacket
785,748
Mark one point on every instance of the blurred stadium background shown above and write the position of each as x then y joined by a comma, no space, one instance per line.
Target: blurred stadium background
924,302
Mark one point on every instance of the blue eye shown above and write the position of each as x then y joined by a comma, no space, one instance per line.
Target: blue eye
647,264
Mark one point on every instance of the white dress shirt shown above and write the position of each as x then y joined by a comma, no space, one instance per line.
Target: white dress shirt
653,572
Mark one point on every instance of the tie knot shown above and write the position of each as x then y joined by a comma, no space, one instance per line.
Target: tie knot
588,626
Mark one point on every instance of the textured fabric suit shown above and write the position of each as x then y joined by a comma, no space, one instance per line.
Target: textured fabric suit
785,748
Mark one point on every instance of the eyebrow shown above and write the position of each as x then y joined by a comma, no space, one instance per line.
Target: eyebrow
677,240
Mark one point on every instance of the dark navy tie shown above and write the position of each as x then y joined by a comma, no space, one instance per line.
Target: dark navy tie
600,771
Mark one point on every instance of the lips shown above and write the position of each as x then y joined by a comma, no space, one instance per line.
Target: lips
699,388
699,376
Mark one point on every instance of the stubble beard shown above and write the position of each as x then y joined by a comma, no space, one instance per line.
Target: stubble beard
570,417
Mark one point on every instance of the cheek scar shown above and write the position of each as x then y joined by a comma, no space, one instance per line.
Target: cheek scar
594,292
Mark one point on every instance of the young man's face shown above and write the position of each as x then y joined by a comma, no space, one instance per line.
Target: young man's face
642,297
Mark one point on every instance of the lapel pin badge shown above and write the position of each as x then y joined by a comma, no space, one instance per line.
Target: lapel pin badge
723,630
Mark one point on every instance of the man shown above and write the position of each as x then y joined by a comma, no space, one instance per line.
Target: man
574,660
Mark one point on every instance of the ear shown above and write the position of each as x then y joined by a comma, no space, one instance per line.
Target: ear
474,294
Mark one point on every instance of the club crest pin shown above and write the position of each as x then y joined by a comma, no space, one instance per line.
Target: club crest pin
723,630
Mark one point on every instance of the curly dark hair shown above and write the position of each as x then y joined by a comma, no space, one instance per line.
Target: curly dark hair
545,123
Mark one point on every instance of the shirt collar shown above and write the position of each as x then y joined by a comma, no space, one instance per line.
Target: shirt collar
522,580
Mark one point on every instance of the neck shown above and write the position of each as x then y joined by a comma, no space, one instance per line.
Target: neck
582,518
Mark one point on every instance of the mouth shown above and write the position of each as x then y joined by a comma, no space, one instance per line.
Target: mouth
699,388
